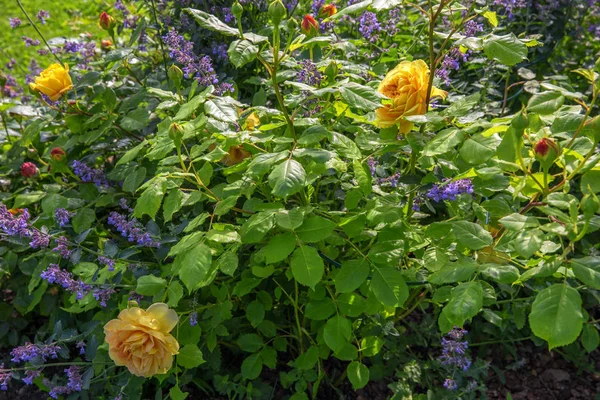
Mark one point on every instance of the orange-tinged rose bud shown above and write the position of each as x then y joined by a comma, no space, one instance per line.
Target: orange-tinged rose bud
140,339
236,155
327,10
54,81
406,86
57,154
15,211
310,26
106,44
107,22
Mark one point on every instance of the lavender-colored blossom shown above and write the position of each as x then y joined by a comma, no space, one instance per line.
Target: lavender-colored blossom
62,247
372,163
450,190
124,205
131,229
219,52
30,42
193,318
450,384
34,71
58,391
472,27
87,174
11,63
42,16
43,52
62,216
29,351
224,88
510,5
54,274
103,295
81,346
39,239
109,262
72,46
369,26
30,375
74,378
309,74
143,40
390,26
291,5
316,6
13,225
14,22
5,378
392,180
454,350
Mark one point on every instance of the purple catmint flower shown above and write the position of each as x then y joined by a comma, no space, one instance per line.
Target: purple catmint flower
39,239
472,27
87,174
62,247
392,180
74,378
103,295
510,5
72,46
224,88
11,63
451,190
54,274
30,375
109,262
219,52
454,350
390,25
62,216
30,42
193,318
369,26
131,229
42,16
291,5
450,384
14,22
14,225
143,40
29,351
34,70
372,163
58,391
316,6
309,74
81,346
5,378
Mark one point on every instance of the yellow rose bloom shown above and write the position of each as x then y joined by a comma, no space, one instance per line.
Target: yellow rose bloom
140,339
406,85
54,81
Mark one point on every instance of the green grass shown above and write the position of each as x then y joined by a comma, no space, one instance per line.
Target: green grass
68,19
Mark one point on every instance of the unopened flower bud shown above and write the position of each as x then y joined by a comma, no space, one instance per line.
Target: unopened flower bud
310,26
107,22
277,11
106,44
546,151
237,9
589,205
292,24
520,122
57,154
176,132
175,74
327,10
29,169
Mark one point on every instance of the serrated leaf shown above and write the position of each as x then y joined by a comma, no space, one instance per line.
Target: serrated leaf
351,275
556,315
211,22
337,333
315,229
175,293
307,266
190,356
149,285
194,266
358,374
389,287
545,103
361,97
287,178
252,366
241,52
587,270
149,201
518,222
590,339
279,247
506,49
83,220
465,302
472,235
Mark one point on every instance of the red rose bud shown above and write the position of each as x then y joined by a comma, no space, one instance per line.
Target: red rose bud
28,169
310,26
546,151
327,10
57,154
106,21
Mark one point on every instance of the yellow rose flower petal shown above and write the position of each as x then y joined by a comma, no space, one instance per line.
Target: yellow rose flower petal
141,340
54,81
406,87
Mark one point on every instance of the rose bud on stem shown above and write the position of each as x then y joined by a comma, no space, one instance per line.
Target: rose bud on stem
546,152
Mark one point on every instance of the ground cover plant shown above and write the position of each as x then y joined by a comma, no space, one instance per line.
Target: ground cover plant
297,199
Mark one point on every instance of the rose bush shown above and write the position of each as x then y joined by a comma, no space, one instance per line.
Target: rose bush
278,199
